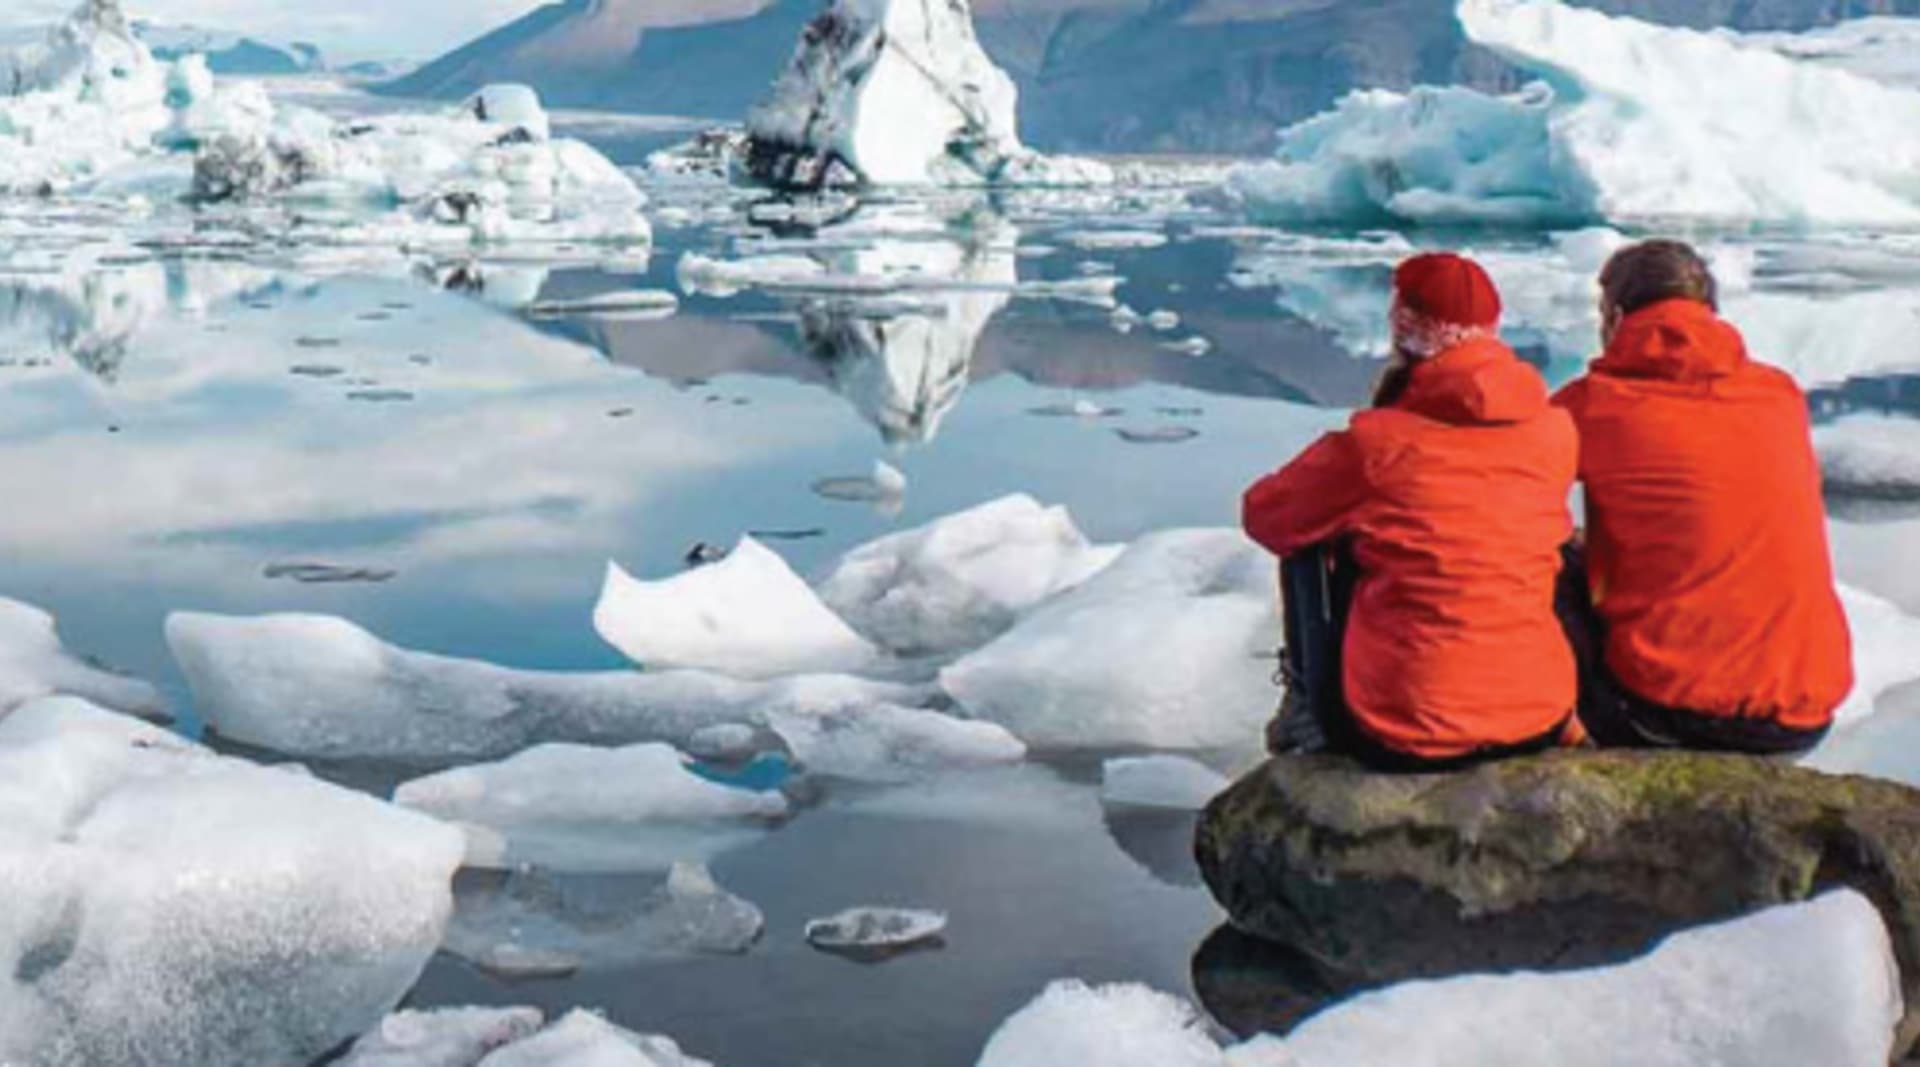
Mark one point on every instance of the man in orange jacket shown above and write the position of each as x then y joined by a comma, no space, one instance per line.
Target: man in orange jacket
1450,499
1707,545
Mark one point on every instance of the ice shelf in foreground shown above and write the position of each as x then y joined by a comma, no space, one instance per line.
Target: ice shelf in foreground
1169,647
748,616
1630,121
897,92
574,807
166,905
34,663
321,687
962,580
509,1037
1801,984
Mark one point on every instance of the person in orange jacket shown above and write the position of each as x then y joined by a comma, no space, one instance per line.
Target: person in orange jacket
1710,574
1440,513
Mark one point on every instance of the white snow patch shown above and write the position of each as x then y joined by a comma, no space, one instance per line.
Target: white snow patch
1113,1026
748,616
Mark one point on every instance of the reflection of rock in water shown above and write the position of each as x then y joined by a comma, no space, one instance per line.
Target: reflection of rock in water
903,364
1159,841
1254,987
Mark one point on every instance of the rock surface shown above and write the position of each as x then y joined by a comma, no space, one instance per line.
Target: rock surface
1566,860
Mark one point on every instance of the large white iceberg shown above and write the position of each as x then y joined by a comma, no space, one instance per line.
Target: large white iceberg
577,807
34,663
962,580
509,1037
897,92
748,616
1169,647
1801,984
321,687
166,905
1629,121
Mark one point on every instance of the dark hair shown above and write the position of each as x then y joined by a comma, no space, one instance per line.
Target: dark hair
1652,271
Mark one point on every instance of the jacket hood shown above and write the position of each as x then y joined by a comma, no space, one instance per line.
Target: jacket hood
1480,382
1676,341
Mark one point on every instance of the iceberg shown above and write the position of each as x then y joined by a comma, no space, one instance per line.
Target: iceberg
748,616
86,99
34,663
960,581
1800,984
319,687
897,92
1173,783
889,743
575,807
876,932
166,905
509,1037
1169,647
534,923
1880,47
1872,456
1628,122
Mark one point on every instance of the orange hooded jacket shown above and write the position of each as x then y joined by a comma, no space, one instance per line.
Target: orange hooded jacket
1455,502
1707,538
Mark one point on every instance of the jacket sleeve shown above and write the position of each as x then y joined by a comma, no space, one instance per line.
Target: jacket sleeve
1315,498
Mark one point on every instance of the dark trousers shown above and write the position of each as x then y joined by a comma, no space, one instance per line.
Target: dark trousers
1615,717
1317,589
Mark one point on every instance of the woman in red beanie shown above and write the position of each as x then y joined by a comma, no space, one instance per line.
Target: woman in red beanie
1441,512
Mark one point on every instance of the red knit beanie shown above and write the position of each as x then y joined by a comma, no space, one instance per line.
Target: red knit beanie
1442,300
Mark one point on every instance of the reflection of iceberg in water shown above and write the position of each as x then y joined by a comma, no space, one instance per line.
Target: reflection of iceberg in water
93,317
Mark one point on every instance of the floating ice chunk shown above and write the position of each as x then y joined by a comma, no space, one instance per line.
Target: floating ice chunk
1164,320
1167,648
320,687
531,923
167,905
1869,737
1195,346
575,807
637,304
876,931
1113,1026
514,106
1871,456
34,663
886,743
700,274
447,1037
1806,983
748,616
1624,125
962,580
1109,240
897,92
885,488
1172,782
582,1039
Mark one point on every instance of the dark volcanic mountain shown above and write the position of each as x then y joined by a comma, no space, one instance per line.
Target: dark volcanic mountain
1095,75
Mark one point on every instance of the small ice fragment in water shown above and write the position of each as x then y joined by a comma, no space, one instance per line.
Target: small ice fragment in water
1162,435
316,370
808,533
326,573
1175,783
1195,346
885,485
632,304
1079,409
380,396
877,933
1114,240
317,342
1164,320
1124,319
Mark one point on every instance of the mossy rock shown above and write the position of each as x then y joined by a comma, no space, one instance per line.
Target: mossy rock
1564,860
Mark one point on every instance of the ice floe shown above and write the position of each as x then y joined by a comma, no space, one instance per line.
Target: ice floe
534,923
34,663
1875,456
321,687
897,92
749,616
1804,983
889,743
510,1037
1886,657
876,932
1174,783
962,580
1626,124
1168,647
576,807
167,905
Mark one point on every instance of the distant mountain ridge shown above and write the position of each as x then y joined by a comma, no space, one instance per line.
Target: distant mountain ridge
1095,75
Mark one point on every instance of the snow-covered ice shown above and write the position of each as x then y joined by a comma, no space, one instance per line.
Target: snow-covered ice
1626,123
576,807
748,616
34,663
889,743
1885,48
510,1037
897,92
1175,783
1874,456
1113,1026
1168,647
1870,736
962,580
320,687
875,929
533,923
166,905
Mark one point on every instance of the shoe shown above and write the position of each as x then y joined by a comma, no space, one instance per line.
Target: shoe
1295,730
